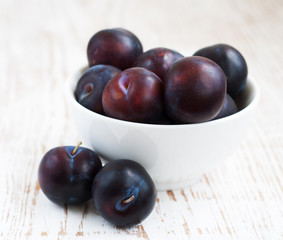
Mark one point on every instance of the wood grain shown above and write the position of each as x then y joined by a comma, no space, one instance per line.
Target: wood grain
43,42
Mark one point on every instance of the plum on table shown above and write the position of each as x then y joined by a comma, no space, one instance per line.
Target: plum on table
66,173
123,193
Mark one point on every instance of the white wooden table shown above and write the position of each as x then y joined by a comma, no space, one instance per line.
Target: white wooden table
42,42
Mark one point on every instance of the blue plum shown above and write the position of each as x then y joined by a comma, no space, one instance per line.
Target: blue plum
228,108
135,94
123,193
158,60
66,173
195,90
90,86
233,64
117,47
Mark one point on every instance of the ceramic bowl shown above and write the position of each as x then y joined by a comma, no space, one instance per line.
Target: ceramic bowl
174,155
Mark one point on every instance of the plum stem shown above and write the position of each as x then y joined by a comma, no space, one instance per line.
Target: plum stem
128,199
76,148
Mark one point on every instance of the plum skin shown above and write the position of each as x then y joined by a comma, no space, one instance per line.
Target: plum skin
158,60
91,84
228,108
123,193
135,95
116,47
233,64
65,178
195,90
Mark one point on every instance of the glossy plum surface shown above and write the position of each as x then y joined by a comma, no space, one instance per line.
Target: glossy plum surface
228,108
117,47
90,86
66,178
195,90
158,60
123,193
135,94
233,64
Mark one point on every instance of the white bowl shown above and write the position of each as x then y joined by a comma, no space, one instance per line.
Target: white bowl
174,155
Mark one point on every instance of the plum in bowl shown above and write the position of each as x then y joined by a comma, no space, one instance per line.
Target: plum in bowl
174,155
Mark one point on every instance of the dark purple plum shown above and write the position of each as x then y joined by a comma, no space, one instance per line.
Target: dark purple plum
228,108
158,60
117,47
90,86
233,64
195,90
135,95
163,120
123,193
65,174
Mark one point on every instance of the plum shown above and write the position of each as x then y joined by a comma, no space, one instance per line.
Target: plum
233,64
90,86
66,173
195,90
116,47
228,108
123,193
135,94
158,60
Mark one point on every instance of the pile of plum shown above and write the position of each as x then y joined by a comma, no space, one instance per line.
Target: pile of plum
159,86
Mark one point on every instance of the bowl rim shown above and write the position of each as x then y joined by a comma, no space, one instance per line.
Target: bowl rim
73,78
